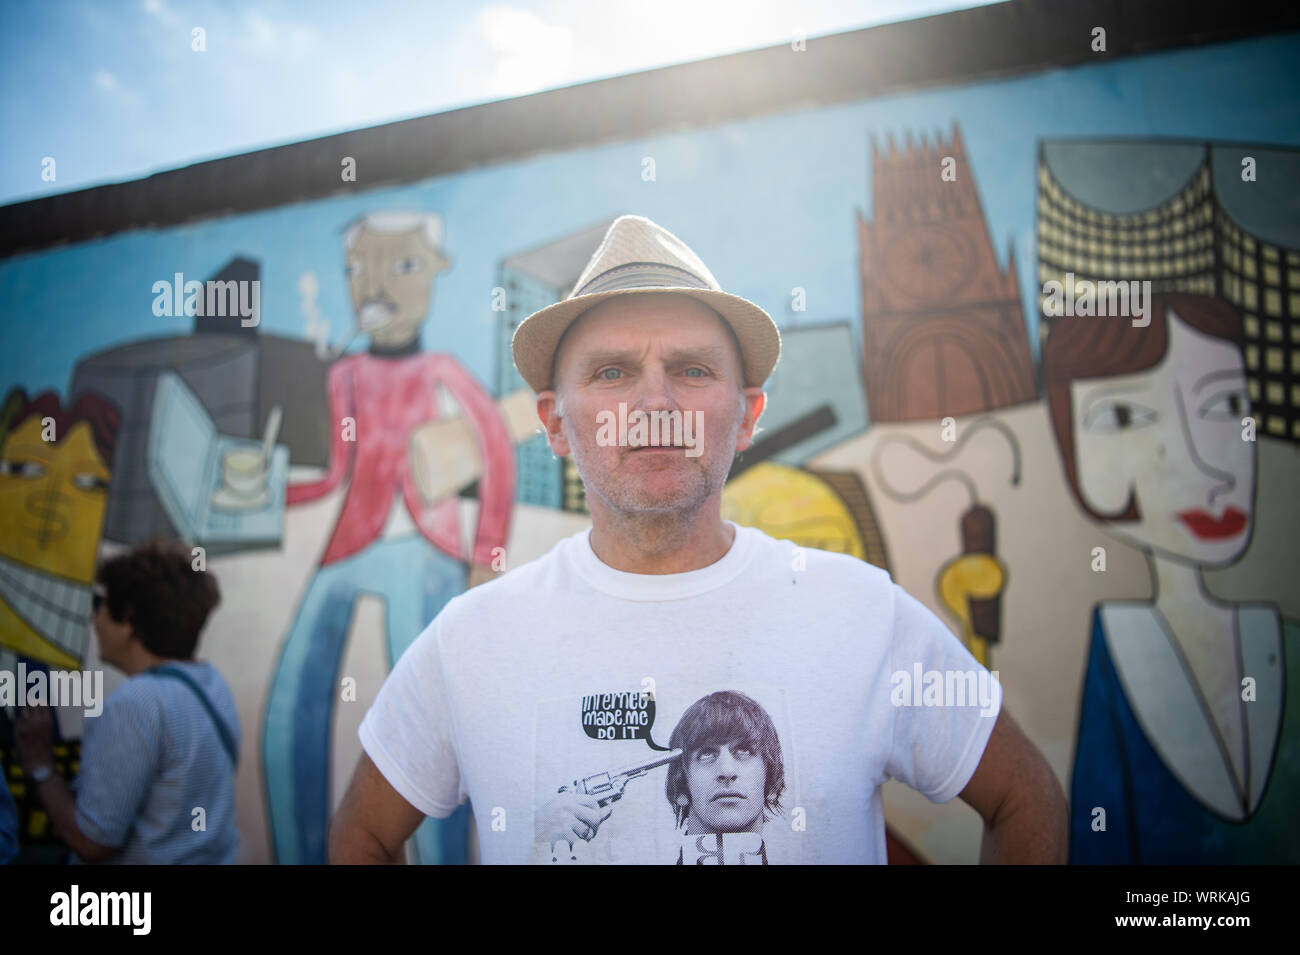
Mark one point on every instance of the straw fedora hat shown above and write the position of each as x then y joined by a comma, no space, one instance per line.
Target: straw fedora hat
638,255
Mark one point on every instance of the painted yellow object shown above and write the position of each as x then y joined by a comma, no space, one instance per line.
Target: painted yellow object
52,500
977,576
790,504
15,634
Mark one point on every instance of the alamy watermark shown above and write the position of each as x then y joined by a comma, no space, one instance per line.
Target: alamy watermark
242,298
1125,298
651,429
920,687
84,688
132,909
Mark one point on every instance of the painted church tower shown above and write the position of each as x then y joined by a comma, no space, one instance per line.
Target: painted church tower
943,331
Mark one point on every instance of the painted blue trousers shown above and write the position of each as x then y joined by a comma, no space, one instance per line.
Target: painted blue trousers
415,580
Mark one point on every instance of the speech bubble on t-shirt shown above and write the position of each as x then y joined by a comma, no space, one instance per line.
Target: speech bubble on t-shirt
629,715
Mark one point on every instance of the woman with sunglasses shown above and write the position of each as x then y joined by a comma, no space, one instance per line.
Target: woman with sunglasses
157,776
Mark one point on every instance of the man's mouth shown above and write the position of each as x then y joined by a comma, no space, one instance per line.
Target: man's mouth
376,315
728,794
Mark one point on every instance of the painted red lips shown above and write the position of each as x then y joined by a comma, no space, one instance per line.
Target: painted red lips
1208,527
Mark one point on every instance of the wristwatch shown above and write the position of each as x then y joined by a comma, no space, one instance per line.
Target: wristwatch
41,773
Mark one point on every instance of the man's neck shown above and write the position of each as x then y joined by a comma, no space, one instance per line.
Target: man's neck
403,350
658,543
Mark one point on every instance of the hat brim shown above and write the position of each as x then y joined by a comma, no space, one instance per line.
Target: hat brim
534,342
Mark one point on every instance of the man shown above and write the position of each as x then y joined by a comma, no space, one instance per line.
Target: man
729,779
388,540
661,593
168,738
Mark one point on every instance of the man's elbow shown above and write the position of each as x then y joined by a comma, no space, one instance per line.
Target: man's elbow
350,843
1037,809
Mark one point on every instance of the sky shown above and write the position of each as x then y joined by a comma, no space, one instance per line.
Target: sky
114,90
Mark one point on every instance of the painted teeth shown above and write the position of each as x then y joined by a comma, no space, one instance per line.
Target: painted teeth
57,609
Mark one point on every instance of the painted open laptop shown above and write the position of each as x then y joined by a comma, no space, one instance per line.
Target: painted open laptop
221,492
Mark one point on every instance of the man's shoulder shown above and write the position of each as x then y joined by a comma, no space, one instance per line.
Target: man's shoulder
832,567
515,592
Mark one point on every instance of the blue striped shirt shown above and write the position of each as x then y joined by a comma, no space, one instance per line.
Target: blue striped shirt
149,760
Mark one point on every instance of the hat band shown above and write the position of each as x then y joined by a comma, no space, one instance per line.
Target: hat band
642,275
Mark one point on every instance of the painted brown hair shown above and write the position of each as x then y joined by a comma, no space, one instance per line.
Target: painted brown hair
1090,348
98,412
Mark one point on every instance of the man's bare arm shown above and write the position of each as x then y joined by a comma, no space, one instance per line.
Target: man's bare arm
373,822
1024,809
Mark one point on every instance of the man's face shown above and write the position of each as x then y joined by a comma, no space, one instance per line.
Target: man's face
727,786
652,353
391,278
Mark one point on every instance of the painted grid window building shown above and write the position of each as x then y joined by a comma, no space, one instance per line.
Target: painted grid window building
1189,242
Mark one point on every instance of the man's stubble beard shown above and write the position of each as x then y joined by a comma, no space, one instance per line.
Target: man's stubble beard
628,503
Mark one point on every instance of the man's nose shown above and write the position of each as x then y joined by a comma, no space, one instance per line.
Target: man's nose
655,392
369,282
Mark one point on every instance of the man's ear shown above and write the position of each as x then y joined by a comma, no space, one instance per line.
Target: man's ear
553,423
755,402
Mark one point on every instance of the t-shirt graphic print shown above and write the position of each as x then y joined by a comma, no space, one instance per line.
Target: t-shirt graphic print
719,788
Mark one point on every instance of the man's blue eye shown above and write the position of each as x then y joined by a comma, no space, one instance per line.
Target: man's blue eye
700,372
606,374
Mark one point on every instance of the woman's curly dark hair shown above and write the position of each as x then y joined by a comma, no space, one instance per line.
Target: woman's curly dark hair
156,589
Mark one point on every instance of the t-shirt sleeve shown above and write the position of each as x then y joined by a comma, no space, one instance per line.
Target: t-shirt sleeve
940,729
120,754
408,734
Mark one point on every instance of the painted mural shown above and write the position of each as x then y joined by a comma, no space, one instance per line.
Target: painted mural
1099,503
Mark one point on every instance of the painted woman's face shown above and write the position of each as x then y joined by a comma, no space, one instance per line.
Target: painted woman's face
1173,436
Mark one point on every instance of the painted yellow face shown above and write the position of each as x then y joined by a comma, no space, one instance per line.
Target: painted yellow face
52,501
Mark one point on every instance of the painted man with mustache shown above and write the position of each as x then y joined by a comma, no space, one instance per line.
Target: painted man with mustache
388,540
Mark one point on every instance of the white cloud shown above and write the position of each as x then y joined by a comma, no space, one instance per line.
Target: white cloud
301,41
280,38
531,54
159,10
106,80
261,31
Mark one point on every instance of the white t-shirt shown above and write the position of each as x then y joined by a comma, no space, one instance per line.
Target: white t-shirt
768,694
